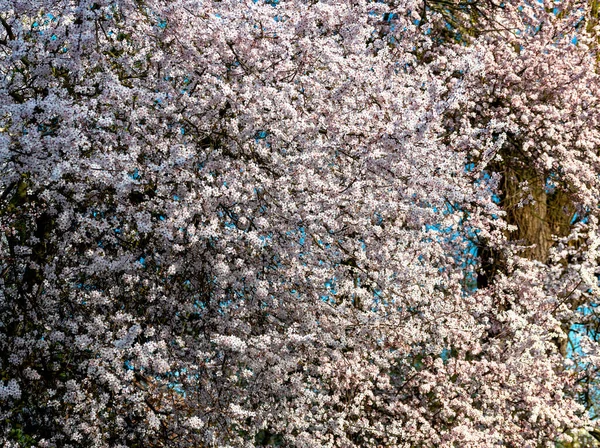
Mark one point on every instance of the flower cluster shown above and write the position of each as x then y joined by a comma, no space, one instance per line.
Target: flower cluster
295,223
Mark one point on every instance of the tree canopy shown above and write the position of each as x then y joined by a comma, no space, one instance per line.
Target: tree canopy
298,223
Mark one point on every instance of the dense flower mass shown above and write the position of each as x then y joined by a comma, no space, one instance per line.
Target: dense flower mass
299,223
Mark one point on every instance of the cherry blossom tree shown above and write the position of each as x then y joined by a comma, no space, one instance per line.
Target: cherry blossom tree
238,223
